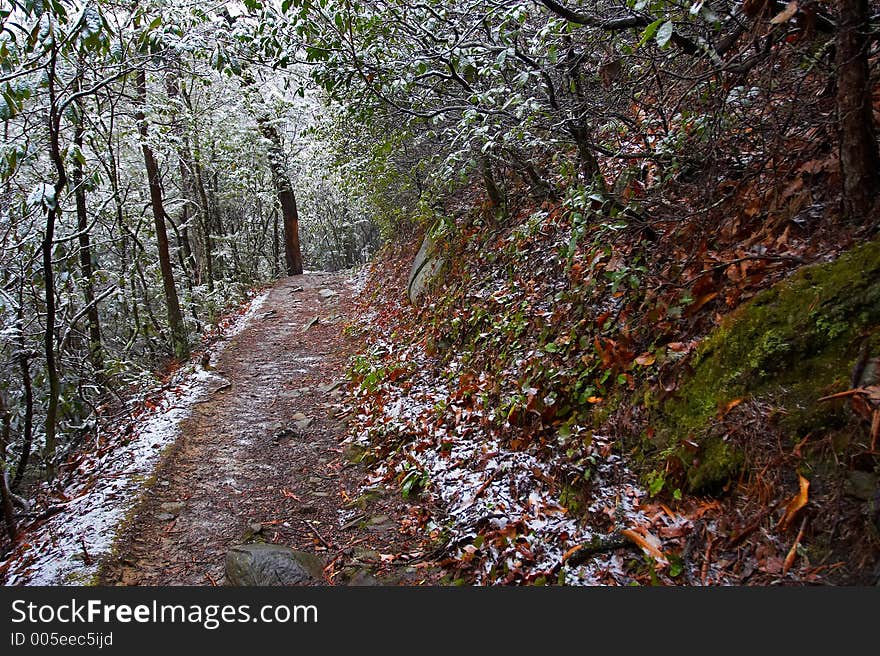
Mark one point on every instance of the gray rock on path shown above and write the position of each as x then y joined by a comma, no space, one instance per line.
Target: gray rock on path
173,507
426,266
271,564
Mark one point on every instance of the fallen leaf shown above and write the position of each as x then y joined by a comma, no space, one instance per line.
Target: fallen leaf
646,359
730,405
694,307
572,551
797,502
649,543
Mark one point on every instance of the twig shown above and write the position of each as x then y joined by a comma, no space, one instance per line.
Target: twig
211,579
704,572
875,430
792,553
841,395
87,559
318,535
485,485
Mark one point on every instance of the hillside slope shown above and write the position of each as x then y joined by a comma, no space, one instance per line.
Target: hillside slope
571,401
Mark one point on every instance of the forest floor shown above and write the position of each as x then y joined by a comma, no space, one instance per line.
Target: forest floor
261,459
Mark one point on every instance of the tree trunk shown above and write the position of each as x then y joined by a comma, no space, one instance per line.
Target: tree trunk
286,198
5,494
85,257
57,159
489,182
175,318
859,159
28,428
276,251
205,214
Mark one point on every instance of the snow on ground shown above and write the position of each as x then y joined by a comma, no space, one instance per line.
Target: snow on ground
67,548
497,508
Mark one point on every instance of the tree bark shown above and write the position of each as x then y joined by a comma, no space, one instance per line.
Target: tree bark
5,494
179,340
489,182
27,437
205,215
51,424
286,198
85,256
859,158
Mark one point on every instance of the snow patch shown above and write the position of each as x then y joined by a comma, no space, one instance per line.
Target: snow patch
68,547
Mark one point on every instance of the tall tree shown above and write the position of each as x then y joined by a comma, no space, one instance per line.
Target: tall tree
179,340
85,247
286,197
859,157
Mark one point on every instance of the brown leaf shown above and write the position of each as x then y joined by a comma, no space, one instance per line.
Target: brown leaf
649,543
646,359
572,551
797,502
694,307
730,405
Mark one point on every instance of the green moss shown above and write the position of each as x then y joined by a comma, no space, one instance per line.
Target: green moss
572,498
791,344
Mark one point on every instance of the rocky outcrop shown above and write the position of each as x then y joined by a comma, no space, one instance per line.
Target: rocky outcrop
426,266
271,564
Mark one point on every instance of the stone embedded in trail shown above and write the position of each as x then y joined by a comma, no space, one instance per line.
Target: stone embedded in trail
272,564
327,293
363,578
329,387
173,507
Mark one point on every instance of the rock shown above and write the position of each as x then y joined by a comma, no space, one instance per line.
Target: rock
302,424
173,507
271,564
861,485
426,266
329,387
327,293
283,434
164,517
299,416
312,322
363,578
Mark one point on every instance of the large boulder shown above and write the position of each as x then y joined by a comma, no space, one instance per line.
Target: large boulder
271,564
426,266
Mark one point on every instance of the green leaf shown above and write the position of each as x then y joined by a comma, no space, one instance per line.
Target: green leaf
664,33
649,32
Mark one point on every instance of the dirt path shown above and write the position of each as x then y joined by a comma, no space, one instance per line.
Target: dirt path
261,458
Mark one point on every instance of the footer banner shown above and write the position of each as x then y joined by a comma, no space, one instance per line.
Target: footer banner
109,620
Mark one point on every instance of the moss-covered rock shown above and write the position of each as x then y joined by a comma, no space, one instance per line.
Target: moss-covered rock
791,344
